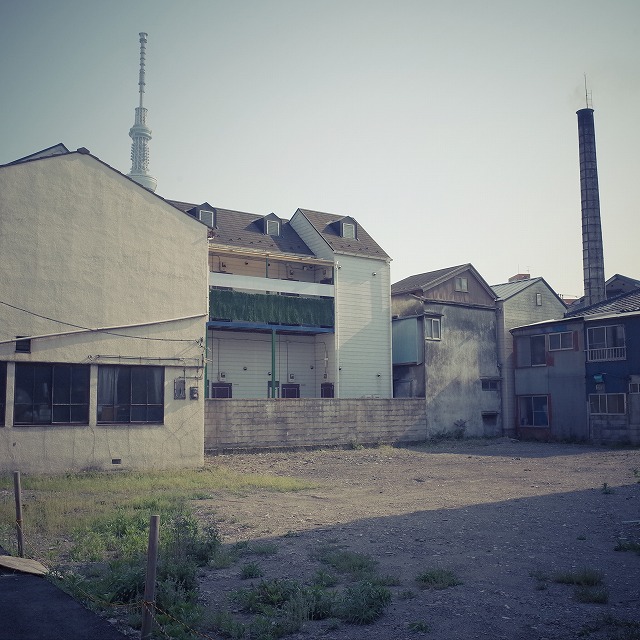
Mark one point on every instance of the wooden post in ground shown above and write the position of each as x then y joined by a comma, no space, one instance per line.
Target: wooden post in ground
18,493
148,603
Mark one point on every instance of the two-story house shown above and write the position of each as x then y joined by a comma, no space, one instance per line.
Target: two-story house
521,300
578,378
445,350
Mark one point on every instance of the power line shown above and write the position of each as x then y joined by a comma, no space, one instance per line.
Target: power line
97,330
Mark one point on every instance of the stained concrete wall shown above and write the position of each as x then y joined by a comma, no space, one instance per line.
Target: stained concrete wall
268,424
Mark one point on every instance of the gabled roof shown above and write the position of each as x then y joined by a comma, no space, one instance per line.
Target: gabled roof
627,302
424,281
55,150
246,230
507,290
362,245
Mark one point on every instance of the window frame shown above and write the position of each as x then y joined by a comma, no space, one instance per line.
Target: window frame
607,399
277,226
559,335
121,398
490,384
65,388
533,412
202,213
461,284
539,338
634,387
430,334
612,347
352,227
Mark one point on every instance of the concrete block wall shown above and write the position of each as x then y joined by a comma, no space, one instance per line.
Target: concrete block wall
312,422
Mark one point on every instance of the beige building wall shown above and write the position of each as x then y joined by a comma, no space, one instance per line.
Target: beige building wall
84,247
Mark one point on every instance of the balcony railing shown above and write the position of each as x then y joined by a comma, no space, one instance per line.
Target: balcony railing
607,353
238,306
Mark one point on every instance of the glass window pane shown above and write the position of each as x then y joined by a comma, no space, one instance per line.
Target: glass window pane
24,383
138,413
155,386
79,384
155,413
61,413
538,350
79,413
526,412
139,385
61,384
123,385
42,383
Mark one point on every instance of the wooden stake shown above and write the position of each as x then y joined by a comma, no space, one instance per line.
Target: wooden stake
148,603
18,493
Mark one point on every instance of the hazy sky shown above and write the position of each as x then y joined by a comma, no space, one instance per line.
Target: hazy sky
447,129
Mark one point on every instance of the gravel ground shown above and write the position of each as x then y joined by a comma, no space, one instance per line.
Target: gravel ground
493,511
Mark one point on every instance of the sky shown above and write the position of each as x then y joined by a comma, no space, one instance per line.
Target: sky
447,129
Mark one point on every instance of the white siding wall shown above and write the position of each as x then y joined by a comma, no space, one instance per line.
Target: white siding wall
363,327
229,352
85,245
363,318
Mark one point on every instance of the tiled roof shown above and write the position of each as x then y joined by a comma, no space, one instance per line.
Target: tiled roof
423,281
508,289
324,224
245,230
621,304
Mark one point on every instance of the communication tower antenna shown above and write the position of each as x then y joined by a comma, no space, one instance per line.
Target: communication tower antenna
140,133
587,94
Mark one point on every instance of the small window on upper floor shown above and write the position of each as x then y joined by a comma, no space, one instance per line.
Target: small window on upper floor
462,284
538,299
23,345
349,230
207,217
273,227
432,329
561,341
634,387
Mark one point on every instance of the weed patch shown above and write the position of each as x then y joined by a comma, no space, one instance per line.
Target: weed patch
437,579
582,577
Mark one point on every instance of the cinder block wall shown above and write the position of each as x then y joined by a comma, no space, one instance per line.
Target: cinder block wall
312,422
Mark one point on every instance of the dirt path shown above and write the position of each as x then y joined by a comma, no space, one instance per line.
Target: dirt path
493,512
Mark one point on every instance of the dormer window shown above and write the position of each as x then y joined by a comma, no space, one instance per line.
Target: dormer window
273,227
349,230
207,217
346,228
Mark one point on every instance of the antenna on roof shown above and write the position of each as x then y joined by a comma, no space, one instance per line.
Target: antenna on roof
140,133
587,94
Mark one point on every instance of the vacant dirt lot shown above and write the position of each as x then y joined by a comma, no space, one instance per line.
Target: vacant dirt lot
493,512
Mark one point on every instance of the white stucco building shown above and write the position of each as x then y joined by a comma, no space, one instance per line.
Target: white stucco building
103,305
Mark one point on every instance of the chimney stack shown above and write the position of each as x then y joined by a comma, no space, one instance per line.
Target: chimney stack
592,251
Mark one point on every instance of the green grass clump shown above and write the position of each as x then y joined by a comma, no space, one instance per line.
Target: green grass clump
437,579
582,577
362,603
358,566
251,570
628,545
592,595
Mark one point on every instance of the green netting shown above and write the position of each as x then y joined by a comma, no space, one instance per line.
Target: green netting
263,308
